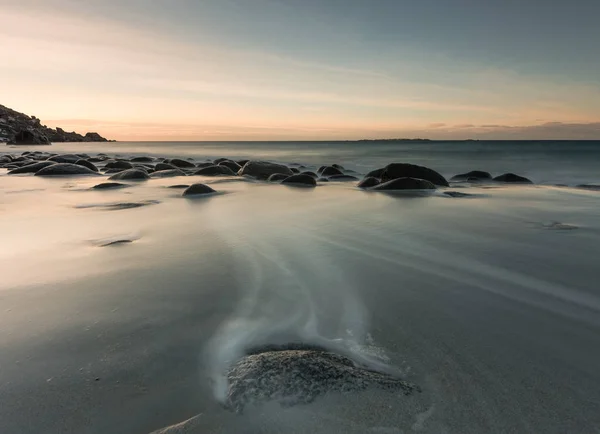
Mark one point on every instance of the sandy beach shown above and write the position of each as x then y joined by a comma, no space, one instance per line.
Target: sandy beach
116,319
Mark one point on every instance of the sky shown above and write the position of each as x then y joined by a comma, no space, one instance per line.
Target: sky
305,69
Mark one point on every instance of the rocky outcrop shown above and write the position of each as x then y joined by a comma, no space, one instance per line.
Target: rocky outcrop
263,169
404,170
21,129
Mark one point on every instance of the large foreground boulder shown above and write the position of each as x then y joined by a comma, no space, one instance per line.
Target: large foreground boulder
32,168
513,179
404,170
64,169
263,169
198,190
300,376
130,175
300,181
29,137
405,184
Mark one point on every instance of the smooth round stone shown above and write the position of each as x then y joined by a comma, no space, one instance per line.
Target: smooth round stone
263,169
309,173
168,173
403,170
110,186
477,174
231,164
300,180
64,169
405,184
330,171
182,164
368,182
512,179
276,177
130,175
215,171
124,165
142,160
198,190
343,178
32,168
87,164
67,158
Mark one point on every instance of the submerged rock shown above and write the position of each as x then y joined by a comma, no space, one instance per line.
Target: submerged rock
263,169
405,184
109,186
276,177
309,173
368,182
231,164
472,175
182,164
164,166
338,166
215,171
142,160
130,175
31,168
64,169
300,180
343,178
404,170
295,170
377,173
299,376
124,165
198,189
329,171
87,164
513,179
66,158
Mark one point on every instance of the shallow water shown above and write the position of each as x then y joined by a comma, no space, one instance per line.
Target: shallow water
490,303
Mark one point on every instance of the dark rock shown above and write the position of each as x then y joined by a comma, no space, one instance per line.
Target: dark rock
320,169
276,177
178,186
182,164
303,180
31,168
405,184
293,169
512,178
215,171
198,189
204,164
29,137
323,180
263,169
5,159
142,160
592,187
300,376
404,170
338,167
242,163
331,171
477,174
130,175
368,182
94,137
22,163
66,158
117,206
96,159
343,178
110,186
457,194
118,165
113,171
168,173
64,169
164,166
87,164
313,174
231,164
220,160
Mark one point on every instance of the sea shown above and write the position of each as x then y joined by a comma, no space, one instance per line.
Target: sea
122,310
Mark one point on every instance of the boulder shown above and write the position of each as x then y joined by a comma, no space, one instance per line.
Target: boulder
29,137
474,174
205,164
377,173
343,178
299,376
309,173
231,164
168,173
142,160
113,171
220,160
368,182
109,186
64,169
66,158
263,169
87,164
404,170
198,189
215,171
182,164
164,166
330,171
513,179
130,175
405,184
242,163
293,169
120,164
31,168
300,180
276,177
338,167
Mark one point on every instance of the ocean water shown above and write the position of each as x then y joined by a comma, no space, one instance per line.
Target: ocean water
490,303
